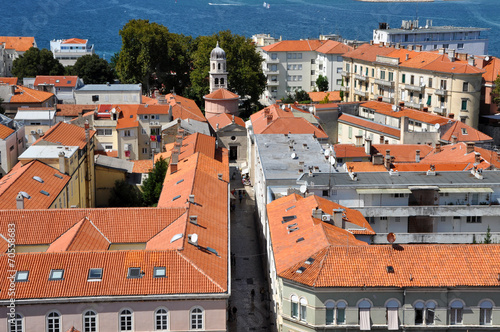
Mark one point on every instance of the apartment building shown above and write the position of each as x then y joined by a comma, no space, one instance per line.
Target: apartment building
109,94
10,49
68,51
447,84
413,33
292,65
12,143
63,87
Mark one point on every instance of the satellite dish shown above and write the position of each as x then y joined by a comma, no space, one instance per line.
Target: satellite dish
311,109
194,238
394,108
303,188
486,58
391,237
327,152
294,155
437,126
332,160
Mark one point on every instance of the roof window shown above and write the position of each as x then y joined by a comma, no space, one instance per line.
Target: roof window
300,239
134,272
160,272
176,197
291,207
301,269
56,274
22,275
95,274
310,260
37,178
176,237
213,251
288,218
181,180
44,192
58,176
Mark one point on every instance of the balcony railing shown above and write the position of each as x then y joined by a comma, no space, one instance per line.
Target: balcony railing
441,92
416,88
361,93
272,83
440,110
271,72
389,100
345,73
384,82
361,77
345,88
414,105
273,60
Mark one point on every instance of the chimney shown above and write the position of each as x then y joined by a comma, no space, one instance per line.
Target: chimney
453,139
472,61
451,115
191,199
337,218
462,56
417,156
379,98
174,159
425,109
87,134
317,213
387,153
381,139
371,42
441,51
407,56
480,63
378,159
418,48
387,162
368,146
410,47
398,46
13,90
451,55
437,148
359,140
477,159
386,141
269,118
470,147
20,201
62,163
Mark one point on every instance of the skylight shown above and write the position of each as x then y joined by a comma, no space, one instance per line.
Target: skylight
37,178
56,274
22,275
213,251
310,260
291,207
176,237
134,272
95,274
160,272
301,269
58,176
300,239
176,197
44,192
288,218
179,181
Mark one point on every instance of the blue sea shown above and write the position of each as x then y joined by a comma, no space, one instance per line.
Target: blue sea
100,20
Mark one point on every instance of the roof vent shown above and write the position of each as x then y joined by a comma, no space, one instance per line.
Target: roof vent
44,192
193,239
191,199
219,176
300,239
193,220
25,194
176,237
37,178
310,260
390,269
301,269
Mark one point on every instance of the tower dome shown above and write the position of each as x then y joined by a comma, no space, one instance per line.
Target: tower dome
217,53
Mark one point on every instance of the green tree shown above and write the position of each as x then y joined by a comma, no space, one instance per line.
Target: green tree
152,186
301,96
325,100
487,238
92,69
36,62
496,91
322,83
244,66
342,91
151,55
124,194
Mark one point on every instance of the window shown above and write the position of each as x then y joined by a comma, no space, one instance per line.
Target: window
295,306
134,272
419,313
16,324
429,313
474,219
341,305
160,272
364,315
312,72
313,61
197,319
11,148
125,320
430,82
161,320
95,274
460,46
303,309
456,312
104,132
95,98
53,322
56,274
355,68
382,74
465,87
274,56
325,193
391,76
392,315
485,308
89,321
339,70
347,67
350,132
22,276
330,311
412,79
144,150
464,105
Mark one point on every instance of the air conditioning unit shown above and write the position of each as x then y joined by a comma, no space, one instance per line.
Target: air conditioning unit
326,217
33,132
40,131
157,123
151,123
125,147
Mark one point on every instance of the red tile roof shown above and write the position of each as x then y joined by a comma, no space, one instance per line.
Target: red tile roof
221,94
149,100
8,80
21,179
333,96
184,108
386,109
492,69
368,52
66,134
57,81
142,166
72,110
370,125
112,153
464,133
5,131
20,44
224,120
74,41
84,236
349,151
190,145
294,46
334,47
458,154
403,152
24,95
368,166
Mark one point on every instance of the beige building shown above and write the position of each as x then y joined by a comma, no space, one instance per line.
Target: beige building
10,49
446,84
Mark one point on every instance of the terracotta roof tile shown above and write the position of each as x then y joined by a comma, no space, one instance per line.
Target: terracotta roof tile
386,109
72,110
349,151
334,47
294,46
20,44
464,133
5,131
112,153
67,134
225,119
363,123
24,95
403,152
221,94
8,80
74,41
333,96
368,52
458,154
142,166
57,81
184,108
84,236
492,69
149,100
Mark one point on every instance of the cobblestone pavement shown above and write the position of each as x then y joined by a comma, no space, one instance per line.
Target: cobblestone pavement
249,287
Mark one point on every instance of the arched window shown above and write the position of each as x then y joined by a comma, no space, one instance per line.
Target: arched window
364,315
222,81
485,308
341,305
16,324
295,306
303,309
424,311
213,66
126,320
430,308
419,313
456,312
219,66
216,81
53,322
89,321
197,318
392,315
330,310
161,320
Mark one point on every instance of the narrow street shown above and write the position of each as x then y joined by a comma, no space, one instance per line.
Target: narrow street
249,288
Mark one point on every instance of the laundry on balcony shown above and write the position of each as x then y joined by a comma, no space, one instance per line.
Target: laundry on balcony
153,138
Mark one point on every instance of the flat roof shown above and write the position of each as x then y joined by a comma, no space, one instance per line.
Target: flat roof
276,156
110,87
34,115
115,163
47,151
436,29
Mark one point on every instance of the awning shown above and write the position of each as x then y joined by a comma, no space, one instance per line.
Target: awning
465,190
383,191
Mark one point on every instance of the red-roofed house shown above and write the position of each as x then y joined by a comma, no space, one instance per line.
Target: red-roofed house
411,76
10,49
67,51
232,134
62,86
491,69
15,96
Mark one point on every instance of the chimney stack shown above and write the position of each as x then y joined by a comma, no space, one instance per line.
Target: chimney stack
13,89
338,221
368,146
317,213
20,201
472,61
87,134
381,139
174,159
453,139
407,56
438,148
451,55
470,147
477,159
387,162
441,51
417,156
170,116
62,163
269,118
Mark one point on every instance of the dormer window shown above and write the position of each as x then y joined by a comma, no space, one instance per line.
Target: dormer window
22,275
160,272
134,272
95,274
56,274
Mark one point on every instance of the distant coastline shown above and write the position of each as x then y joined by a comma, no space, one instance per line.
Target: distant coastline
403,0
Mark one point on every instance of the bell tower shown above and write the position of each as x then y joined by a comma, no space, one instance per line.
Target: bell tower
218,73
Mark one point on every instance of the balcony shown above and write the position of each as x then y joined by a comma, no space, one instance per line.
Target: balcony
441,92
273,60
272,83
345,88
361,93
384,83
345,73
414,105
361,77
415,88
440,110
389,100
271,72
